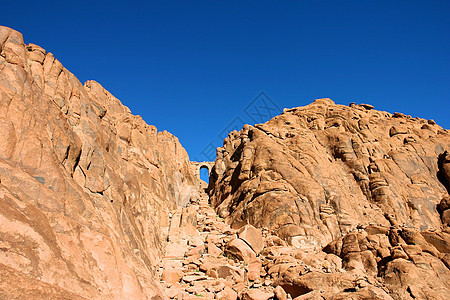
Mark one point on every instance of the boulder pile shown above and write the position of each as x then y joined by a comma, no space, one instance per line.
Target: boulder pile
206,259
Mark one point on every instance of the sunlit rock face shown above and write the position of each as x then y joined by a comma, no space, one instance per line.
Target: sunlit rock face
314,173
86,186
361,190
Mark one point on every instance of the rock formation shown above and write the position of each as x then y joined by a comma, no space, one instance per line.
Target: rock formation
316,172
322,202
86,187
365,192
206,259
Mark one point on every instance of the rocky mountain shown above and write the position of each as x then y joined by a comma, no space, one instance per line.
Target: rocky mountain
86,187
324,201
367,186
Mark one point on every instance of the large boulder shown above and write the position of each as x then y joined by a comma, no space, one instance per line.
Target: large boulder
252,236
239,250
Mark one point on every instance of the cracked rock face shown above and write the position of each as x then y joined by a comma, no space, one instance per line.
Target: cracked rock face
360,197
315,173
85,185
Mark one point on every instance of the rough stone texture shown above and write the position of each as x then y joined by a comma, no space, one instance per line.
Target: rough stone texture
350,202
240,250
86,186
401,257
320,170
256,294
359,198
252,236
372,262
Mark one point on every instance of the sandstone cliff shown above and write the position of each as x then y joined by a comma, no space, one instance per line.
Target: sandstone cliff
86,186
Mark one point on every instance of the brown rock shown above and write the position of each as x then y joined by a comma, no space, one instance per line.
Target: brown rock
227,294
196,252
226,272
172,292
189,221
439,240
280,294
172,275
321,170
254,269
192,278
444,210
274,241
213,238
256,294
412,264
197,288
252,236
444,168
300,285
86,187
240,250
290,230
88,191
213,250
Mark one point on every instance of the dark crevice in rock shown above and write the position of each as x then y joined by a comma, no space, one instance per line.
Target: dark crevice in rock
296,290
443,158
77,160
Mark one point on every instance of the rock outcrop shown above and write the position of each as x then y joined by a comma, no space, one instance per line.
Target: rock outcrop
86,187
316,172
362,265
359,198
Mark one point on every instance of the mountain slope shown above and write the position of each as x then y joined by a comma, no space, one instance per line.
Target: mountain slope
86,186
364,190
322,169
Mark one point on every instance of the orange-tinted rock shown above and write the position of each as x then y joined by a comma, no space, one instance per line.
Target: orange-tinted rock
226,272
256,294
331,282
444,210
239,249
403,270
254,269
321,170
280,294
196,252
227,294
369,186
213,250
86,187
172,275
252,236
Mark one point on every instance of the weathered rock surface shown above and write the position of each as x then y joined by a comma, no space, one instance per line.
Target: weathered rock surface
321,202
320,170
359,198
86,187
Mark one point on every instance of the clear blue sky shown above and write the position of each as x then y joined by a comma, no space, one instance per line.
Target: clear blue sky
191,67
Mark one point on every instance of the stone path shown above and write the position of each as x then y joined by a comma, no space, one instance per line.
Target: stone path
204,259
